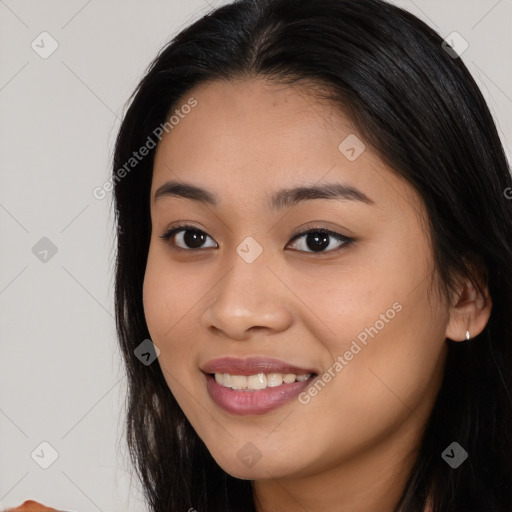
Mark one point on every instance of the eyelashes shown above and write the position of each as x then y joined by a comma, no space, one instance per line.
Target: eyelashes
183,236
321,238
183,228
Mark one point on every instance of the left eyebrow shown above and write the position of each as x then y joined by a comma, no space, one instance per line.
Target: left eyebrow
284,198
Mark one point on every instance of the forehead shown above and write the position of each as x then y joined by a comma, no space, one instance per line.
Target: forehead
254,120
245,138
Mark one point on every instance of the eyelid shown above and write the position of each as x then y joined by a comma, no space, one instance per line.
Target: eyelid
311,228
297,233
166,236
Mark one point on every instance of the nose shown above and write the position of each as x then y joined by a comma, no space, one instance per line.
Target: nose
249,298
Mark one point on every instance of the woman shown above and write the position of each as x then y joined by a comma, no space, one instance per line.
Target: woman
314,280
397,266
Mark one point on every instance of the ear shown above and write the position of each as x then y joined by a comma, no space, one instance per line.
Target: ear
469,310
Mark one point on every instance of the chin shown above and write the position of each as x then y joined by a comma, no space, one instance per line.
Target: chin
255,469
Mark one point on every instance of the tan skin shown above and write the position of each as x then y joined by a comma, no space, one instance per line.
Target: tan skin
352,446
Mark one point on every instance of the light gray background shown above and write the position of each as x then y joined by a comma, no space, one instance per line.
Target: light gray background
60,374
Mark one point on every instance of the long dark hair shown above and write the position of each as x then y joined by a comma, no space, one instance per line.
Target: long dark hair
421,111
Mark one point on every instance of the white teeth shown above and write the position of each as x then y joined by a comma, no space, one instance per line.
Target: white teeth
289,378
258,381
274,379
238,381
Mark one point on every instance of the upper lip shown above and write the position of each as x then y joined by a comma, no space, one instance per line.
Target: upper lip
252,366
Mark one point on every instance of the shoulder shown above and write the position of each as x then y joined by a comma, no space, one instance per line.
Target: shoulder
31,506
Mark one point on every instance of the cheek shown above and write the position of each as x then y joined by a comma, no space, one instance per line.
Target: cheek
169,294
172,305
390,366
387,335
170,298
339,304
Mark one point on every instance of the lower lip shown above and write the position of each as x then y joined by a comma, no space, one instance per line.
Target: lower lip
253,402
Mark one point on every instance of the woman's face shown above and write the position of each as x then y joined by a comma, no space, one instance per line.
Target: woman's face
249,285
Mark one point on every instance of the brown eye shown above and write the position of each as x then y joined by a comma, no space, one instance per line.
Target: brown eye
187,238
317,240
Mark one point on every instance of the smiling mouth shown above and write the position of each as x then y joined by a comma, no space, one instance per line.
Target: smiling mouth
255,394
254,385
258,381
